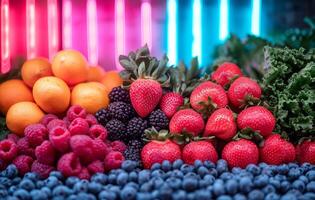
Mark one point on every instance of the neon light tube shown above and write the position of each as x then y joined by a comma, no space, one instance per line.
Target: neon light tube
256,6
52,17
119,30
172,31
224,19
197,45
5,37
146,24
67,24
30,29
92,32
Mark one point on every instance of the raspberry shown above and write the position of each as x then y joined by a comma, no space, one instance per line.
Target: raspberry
56,122
91,119
66,121
24,147
8,150
98,132
76,112
45,153
47,118
96,167
82,146
60,138
69,165
13,137
36,134
84,174
79,126
23,163
100,149
41,169
113,160
118,146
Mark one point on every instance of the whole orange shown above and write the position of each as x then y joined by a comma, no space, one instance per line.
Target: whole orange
111,79
92,96
34,69
96,73
22,114
12,92
71,66
52,94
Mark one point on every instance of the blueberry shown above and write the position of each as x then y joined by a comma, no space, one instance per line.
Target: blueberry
213,172
256,195
131,184
94,187
165,192
177,164
177,173
190,184
146,187
293,165
208,164
12,198
156,166
168,174
218,188
158,173
309,195
3,193
61,190
226,176
222,166
51,182
280,177
209,179
245,184
224,197
294,173
275,183
11,171
285,186
107,195
254,169
99,178
5,181
179,195
144,176
198,163
59,198
231,186
166,165
72,180
57,174
157,182
269,189
128,165
128,193
174,183
21,194
304,179
133,176
294,192
122,179
85,196
40,184
263,165
191,196
203,195
311,186
202,171
185,168
155,194
112,178
12,189
38,195
288,197
283,169
299,185
236,170
81,186
143,196
311,175
306,166
27,184
261,180
267,171
239,196
191,175
47,191
16,180
72,197
272,196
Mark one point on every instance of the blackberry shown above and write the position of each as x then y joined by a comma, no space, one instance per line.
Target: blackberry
121,111
158,120
119,94
133,150
136,127
103,116
116,130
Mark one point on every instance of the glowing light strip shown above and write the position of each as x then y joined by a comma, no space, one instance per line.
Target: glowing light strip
256,4
5,37
172,31
224,16
146,24
92,32
119,30
52,17
30,29
67,24
197,45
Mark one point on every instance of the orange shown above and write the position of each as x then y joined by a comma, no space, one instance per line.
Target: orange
95,74
34,69
71,66
52,94
22,114
92,96
12,92
112,79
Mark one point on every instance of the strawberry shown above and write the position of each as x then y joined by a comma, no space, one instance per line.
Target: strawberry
221,124
209,96
305,152
226,72
258,119
243,91
277,150
187,120
145,95
200,150
158,151
170,103
240,153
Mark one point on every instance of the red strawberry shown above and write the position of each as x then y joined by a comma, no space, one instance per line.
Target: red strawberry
242,91
225,73
277,150
258,119
170,103
240,153
200,150
305,152
157,151
187,120
145,95
221,124
210,94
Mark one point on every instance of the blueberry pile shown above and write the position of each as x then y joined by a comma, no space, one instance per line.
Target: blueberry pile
164,181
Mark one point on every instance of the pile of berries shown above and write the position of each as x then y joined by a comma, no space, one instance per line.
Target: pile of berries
75,145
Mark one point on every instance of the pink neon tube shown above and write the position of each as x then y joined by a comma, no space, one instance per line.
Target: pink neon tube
67,24
119,30
30,29
52,17
5,41
92,32
146,24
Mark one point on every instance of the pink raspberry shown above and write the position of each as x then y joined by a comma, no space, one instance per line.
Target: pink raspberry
118,146
96,166
47,118
100,149
60,138
82,146
79,126
36,134
45,153
76,112
66,120
8,150
23,163
13,137
69,165
91,119
84,174
98,132
56,122
24,147
113,160
41,169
